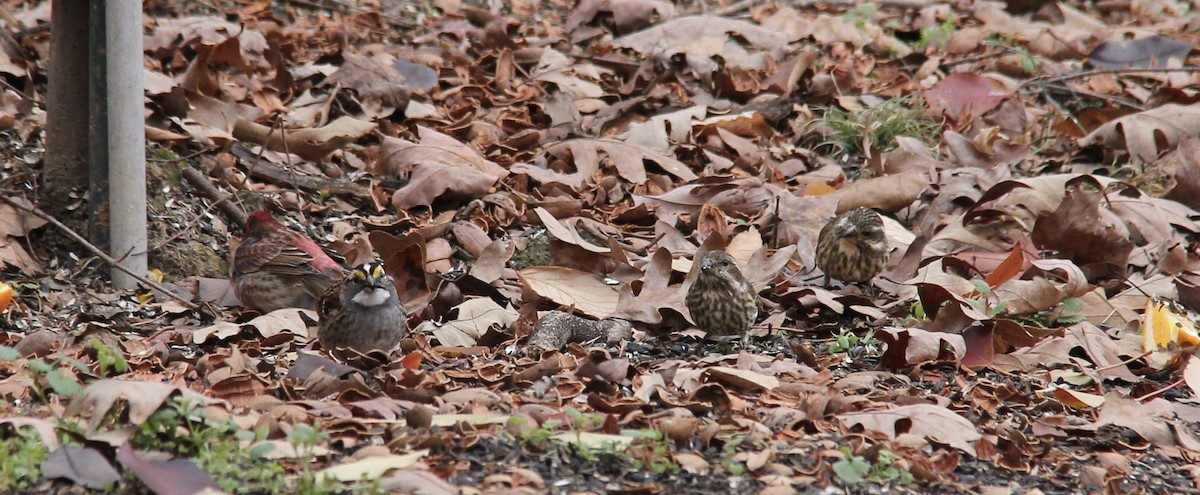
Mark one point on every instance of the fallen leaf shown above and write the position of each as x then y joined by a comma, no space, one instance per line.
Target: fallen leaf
572,288
933,422
83,466
372,468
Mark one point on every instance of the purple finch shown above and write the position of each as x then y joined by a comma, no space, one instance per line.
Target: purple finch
276,267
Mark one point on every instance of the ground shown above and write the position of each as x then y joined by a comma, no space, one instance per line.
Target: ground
1031,332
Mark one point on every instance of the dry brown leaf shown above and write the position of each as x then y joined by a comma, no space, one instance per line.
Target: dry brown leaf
887,193
627,158
743,380
143,399
656,292
172,477
475,316
1148,133
379,85
310,144
1151,420
933,422
372,467
704,36
572,288
84,466
437,166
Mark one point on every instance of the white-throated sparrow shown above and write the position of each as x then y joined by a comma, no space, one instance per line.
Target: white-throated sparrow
362,312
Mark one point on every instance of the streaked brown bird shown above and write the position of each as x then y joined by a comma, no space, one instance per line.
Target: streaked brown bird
852,247
722,302
276,267
362,312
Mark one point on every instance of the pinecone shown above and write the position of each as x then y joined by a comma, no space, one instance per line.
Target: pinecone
362,312
852,247
722,302
276,267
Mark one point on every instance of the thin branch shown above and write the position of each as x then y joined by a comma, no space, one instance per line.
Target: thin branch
1160,391
1125,362
735,8
181,159
1101,72
219,199
96,251
1099,96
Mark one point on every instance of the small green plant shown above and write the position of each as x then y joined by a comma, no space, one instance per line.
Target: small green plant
306,438
650,451
916,313
21,456
1028,64
859,15
584,421
1066,313
108,359
47,376
853,469
846,340
9,353
185,430
728,463
981,299
535,438
878,126
50,374
20,288
936,36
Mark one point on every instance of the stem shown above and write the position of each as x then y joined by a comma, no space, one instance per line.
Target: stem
96,251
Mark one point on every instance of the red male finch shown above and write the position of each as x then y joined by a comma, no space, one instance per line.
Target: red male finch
276,267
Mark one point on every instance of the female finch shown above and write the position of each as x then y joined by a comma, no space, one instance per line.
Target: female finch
721,300
852,247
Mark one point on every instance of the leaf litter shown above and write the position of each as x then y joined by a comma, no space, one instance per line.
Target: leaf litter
567,163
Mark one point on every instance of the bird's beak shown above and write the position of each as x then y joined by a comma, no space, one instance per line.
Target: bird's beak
706,264
372,281
849,231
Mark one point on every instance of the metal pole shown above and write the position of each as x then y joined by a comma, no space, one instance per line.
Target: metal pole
127,139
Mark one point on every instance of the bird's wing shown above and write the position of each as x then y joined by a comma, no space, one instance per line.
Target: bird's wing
330,300
253,254
281,253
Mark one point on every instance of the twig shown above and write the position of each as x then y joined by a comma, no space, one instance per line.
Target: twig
1160,391
22,94
180,159
1125,362
1061,110
1102,72
96,251
219,199
735,8
976,58
1113,98
266,170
